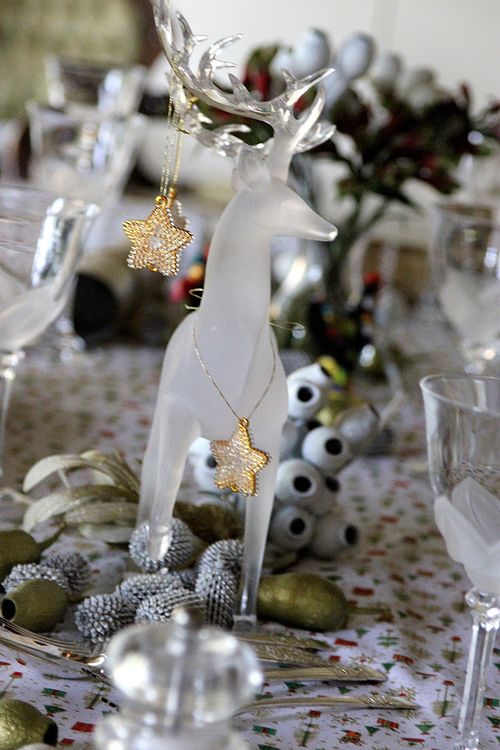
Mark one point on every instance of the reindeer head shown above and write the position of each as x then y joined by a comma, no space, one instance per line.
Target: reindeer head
273,206
291,134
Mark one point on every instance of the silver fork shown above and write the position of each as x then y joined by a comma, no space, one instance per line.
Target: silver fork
301,665
55,650
256,639
372,700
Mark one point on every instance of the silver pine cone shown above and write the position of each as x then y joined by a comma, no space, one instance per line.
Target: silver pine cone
99,617
187,577
29,571
218,591
223,556
159,608
179,552
75,567
139,587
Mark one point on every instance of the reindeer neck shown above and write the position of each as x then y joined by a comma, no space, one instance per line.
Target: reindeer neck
238,274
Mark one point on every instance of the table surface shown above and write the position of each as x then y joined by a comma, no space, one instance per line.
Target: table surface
105,399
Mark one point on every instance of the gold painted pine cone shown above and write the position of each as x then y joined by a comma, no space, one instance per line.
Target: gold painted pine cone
23,724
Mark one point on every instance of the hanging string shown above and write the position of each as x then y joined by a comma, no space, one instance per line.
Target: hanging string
285,325
172,155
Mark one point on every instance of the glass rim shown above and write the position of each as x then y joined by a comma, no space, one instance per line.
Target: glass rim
85,66
75,112
447,211
54,201
424,387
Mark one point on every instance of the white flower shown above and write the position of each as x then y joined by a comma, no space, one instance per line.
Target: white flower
470,525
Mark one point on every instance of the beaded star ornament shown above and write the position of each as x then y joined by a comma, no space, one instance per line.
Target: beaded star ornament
237,460
158,240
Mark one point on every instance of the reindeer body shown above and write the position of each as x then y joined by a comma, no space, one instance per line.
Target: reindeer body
232,331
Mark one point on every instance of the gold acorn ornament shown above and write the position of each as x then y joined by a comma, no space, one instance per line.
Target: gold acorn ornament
302,600
23,724
209,521
18,547
37,605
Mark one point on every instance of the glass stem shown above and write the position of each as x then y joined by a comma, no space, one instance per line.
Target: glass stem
8,364
485,610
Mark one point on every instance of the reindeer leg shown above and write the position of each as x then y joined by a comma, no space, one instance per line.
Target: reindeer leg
257,516
174,429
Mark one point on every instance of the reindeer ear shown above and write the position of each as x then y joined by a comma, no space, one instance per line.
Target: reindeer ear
249,168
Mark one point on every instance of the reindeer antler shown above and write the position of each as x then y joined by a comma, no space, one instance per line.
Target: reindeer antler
300,134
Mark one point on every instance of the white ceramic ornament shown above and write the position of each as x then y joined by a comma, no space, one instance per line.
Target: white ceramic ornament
310,53
289,439
308,389
359,425
291,528
386,70
297,483
221,366
326,499
352,61
327,449
332,534
314,373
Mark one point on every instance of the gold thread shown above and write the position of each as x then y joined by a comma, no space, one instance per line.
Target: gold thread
211,378
286,325
158,240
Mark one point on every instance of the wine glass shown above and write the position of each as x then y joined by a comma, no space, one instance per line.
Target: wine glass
41,238
112,88
462,415
465,265
81,152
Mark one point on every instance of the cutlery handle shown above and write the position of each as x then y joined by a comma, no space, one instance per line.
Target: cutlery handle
359,701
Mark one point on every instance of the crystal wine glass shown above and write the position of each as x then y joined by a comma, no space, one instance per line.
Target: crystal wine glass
40,242
81,152
462,416
111,88
465,264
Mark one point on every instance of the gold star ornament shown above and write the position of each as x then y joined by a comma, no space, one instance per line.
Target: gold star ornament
157,240
238,461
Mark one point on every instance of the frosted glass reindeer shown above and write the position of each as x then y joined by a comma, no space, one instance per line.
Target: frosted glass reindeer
232,331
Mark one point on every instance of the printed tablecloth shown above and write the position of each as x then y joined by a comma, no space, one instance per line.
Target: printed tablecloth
105,400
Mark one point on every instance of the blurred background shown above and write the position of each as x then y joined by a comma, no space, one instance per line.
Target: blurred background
457,38
422,118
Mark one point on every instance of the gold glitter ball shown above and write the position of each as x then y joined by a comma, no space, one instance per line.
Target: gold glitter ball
238,461
156,241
